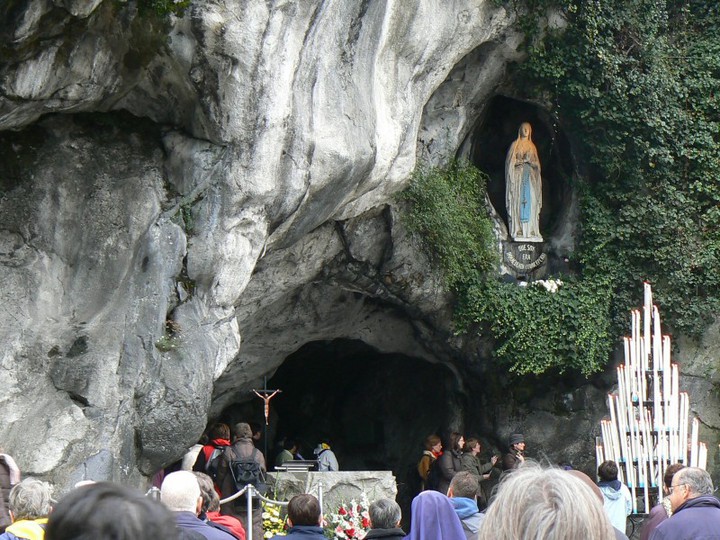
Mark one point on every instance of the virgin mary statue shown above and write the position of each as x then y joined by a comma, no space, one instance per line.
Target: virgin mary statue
523,187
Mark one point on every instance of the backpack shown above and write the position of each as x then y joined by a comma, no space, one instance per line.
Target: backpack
434,476
246,471
211,466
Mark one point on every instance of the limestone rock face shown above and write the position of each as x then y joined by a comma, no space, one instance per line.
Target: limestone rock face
186,200
140,249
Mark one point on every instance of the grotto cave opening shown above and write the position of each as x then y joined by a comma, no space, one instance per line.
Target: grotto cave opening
376,408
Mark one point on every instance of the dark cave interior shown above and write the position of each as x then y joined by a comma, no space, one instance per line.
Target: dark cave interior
376,408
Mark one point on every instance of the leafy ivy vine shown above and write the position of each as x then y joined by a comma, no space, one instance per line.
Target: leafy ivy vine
534,329
636,85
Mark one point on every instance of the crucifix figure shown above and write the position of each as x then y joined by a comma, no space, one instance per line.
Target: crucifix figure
266,396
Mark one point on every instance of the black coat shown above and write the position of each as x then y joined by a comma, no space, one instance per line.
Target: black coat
385,534
450,464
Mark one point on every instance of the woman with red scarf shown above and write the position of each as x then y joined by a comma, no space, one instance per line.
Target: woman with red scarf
433,450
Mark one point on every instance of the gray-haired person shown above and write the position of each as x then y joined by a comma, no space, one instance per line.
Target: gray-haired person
385,516
696,511
538,503
30,503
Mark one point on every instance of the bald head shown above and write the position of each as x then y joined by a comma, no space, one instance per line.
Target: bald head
180,492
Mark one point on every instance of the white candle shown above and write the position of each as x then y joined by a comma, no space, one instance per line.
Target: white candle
702,456
694,443
657,403
686,418
617,448
646,488
647,315
651,452
666,377
657,340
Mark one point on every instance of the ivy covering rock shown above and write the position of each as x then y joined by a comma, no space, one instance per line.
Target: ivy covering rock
635,84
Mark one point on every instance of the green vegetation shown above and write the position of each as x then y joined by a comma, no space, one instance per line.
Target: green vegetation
636,86
448,211
534,330
164,7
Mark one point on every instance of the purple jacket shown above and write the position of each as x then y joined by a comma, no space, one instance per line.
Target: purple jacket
657,515
695,519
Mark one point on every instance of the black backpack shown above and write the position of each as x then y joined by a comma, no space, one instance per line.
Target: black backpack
434,476
247,471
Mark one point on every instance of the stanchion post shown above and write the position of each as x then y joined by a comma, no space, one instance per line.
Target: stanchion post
249,526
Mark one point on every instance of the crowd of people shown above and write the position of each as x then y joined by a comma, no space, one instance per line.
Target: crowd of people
529,502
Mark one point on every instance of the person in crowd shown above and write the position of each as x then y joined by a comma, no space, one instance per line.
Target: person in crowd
100,510
696,511
190,458
326,457
210,511
304,519
596,491
433,518
450,462
180,492
544,504
29,502
471,462
241,449
218,439
298,448
287,453
618,500
433,450
663,510
463,492
257,432
516,452
385,516
9,476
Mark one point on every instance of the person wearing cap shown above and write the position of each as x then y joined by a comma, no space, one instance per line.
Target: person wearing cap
327,461
516,449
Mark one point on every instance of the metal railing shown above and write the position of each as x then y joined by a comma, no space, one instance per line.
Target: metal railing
252,492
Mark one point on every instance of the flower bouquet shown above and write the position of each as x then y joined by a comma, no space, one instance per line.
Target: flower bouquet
273,521
351,522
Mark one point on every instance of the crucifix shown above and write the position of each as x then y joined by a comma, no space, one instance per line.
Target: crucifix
266,395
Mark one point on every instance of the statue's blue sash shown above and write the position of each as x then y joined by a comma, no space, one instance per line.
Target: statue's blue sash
525,194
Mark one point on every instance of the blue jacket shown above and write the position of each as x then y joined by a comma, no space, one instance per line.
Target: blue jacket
695,519
302,532
470,517
189,521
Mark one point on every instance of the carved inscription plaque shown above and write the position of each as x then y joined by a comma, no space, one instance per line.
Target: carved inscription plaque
524,257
